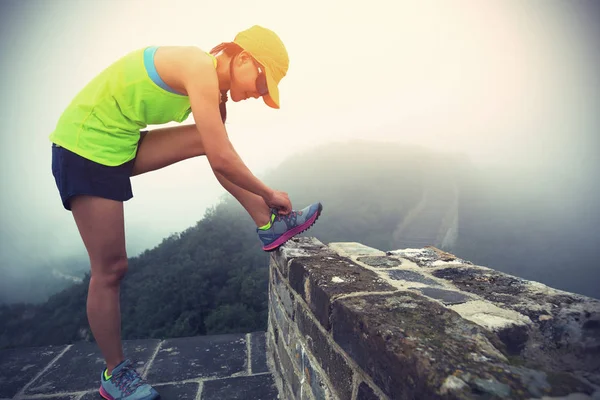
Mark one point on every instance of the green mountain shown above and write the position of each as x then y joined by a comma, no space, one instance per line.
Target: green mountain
213,278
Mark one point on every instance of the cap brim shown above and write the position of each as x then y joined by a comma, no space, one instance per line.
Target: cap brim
271,99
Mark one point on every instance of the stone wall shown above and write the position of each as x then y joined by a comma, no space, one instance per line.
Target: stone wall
351,322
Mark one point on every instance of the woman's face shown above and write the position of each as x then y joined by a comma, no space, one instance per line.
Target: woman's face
247,78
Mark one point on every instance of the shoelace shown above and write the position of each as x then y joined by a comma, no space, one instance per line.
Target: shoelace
127,380
288,217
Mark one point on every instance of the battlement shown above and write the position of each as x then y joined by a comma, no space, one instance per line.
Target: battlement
351,322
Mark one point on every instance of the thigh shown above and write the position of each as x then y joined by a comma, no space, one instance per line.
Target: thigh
101,225
166,146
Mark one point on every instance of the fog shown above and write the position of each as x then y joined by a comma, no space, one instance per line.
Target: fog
507,84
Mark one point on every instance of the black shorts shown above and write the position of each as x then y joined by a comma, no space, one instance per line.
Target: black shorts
77,175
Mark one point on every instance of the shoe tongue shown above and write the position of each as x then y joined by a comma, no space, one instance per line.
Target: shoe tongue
123,364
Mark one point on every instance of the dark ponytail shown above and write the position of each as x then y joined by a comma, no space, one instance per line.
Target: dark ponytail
223,106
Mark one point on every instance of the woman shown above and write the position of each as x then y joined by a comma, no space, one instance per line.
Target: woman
97,146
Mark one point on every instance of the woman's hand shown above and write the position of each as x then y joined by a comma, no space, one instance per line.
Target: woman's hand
280,201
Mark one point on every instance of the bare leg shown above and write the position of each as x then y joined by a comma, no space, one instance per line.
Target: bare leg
166,146
100,223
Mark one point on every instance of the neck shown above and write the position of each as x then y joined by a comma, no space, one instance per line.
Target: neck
223,62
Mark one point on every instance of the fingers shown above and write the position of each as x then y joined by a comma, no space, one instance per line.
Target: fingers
285,209
283,203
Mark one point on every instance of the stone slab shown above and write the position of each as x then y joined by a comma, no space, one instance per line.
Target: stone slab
258,351
411,276
428,256
354,249
91,396
18,366
199,357
257,387
445,296
80,366
492,286
366,393
178,391
380,261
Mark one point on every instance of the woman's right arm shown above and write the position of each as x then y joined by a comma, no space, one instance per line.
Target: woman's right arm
202,86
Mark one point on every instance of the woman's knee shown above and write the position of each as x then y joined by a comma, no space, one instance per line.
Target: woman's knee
110,271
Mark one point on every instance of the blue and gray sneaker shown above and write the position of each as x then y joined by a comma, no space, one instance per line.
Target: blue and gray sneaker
126,384
282,228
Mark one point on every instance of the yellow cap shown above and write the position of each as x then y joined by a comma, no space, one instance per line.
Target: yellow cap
268,49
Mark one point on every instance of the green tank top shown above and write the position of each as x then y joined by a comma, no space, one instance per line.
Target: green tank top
103,122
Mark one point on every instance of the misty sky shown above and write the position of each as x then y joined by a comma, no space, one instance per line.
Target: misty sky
503,82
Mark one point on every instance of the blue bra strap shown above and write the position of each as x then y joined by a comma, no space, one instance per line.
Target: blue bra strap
151,69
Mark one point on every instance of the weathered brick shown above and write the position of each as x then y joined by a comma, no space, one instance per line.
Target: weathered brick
280,375
287,369
332,362
373,329
278,314
318,279
413,337
281,266
285,296
311,375
273,327
314,379
272,355
366,393
288,392
306,395
297,351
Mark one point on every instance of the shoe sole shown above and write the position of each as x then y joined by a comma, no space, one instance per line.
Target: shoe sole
294,231
107,396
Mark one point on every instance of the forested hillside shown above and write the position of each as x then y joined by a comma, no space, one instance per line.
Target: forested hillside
213,277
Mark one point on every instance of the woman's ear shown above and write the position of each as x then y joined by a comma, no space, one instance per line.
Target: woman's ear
244,57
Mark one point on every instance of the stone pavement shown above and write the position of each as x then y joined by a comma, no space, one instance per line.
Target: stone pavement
223,367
